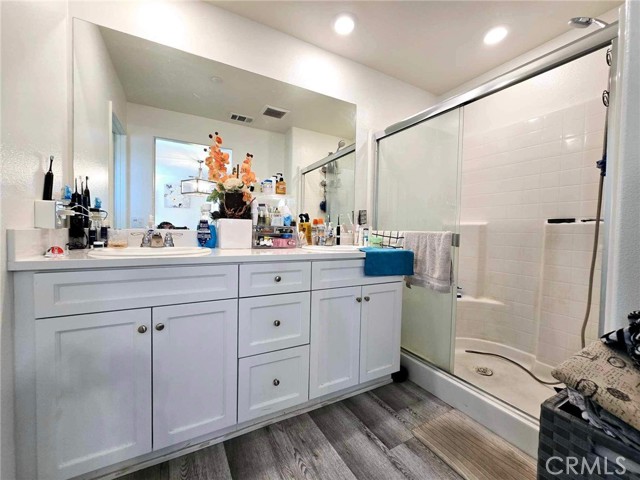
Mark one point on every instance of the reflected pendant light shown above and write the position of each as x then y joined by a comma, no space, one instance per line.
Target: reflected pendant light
197,185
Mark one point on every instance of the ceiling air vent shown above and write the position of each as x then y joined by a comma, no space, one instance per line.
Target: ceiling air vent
274,112
236,117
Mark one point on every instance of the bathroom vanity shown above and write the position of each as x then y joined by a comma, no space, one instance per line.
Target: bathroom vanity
123,362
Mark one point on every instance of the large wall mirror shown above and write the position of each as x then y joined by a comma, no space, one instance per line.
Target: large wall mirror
143,113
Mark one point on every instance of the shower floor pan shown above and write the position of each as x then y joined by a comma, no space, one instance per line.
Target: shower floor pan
508,382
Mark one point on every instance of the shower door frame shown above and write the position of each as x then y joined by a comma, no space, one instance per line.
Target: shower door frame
605,37
332,157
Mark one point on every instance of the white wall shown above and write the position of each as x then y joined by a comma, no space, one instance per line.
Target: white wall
145,123
35,96
97,93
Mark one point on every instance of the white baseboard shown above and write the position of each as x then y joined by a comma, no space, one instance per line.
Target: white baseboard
514,426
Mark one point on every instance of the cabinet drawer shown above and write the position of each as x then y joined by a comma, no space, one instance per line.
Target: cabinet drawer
332,274
273,322
69,293
344,273
270,278
271,382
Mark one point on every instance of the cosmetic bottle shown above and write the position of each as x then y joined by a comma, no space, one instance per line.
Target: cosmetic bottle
314,232
321,232
254,213
281,186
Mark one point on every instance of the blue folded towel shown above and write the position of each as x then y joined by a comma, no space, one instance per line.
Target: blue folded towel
387,261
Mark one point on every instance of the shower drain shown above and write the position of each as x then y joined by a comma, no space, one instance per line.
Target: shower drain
484,371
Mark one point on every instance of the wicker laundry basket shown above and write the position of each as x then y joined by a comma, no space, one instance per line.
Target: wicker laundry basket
566,439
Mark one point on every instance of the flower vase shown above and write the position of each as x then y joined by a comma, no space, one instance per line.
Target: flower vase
233,205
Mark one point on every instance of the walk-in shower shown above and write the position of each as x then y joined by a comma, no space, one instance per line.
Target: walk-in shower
511,167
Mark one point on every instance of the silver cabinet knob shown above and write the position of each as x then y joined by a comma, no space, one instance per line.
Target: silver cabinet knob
366,299
160,327
276,382
358,299
276,323
142,329
277,278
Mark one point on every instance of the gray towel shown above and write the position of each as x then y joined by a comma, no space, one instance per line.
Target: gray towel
432,264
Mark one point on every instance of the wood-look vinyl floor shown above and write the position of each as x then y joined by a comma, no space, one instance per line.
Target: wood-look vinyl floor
398,431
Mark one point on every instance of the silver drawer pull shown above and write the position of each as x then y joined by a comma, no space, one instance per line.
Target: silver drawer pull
142,329
276,323
160,327
276,382
278,278
358,299
366,299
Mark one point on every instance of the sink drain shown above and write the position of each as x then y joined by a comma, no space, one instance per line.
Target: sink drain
484,371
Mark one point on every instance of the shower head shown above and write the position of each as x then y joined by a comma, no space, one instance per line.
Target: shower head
584,22
341,144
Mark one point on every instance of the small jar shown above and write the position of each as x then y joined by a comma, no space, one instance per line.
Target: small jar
267,187
118,239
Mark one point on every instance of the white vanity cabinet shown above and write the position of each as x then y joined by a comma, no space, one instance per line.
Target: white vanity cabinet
93,391
120,366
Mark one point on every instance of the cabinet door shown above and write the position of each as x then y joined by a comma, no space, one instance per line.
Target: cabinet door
194,370
380,332
335,340
93,391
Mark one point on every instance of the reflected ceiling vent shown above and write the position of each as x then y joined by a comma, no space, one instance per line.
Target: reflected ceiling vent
274,112
236,117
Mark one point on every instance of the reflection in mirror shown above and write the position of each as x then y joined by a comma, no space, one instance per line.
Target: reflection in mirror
135,100
176,162
329,187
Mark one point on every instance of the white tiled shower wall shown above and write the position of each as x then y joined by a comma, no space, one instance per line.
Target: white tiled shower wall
513,179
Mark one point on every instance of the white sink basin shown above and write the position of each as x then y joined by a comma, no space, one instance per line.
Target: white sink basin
149,252
335,248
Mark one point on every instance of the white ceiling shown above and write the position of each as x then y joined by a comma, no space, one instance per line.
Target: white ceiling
164,77
434,45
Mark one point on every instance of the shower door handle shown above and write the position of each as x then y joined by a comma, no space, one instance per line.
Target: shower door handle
455,240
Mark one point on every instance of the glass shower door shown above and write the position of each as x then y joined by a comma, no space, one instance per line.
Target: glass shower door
418,190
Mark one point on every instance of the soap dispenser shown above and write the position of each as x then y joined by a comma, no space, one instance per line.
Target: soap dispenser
281,186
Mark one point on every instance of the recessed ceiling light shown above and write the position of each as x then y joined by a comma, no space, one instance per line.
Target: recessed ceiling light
344,24
216,79
495,35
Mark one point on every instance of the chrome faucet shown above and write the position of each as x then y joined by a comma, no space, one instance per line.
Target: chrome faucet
168,240
146,238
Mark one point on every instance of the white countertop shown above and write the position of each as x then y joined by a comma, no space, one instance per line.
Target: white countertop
78,259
